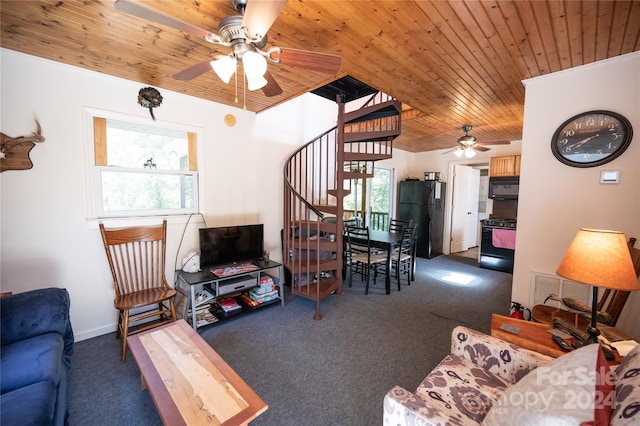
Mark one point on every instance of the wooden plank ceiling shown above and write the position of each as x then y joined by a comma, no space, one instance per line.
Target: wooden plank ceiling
451,62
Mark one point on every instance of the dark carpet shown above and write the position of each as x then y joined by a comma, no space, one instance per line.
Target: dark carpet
330,372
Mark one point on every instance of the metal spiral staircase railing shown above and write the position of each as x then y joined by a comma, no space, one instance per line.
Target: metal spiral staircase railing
317,178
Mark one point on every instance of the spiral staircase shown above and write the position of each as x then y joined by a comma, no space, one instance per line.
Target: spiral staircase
317,178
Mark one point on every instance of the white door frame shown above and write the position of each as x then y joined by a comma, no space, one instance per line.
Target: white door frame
446,245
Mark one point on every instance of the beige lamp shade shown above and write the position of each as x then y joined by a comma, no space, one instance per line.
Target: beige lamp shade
601,259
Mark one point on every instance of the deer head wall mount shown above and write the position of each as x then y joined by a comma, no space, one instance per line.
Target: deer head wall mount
14,152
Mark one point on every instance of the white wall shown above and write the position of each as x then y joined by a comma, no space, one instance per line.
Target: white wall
556,200
46,237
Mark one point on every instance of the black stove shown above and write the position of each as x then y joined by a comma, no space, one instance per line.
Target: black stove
497,253
498,223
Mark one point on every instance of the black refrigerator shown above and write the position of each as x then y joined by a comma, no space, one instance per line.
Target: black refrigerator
423,203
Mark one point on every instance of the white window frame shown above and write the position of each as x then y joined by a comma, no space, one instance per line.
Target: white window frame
127,213
93,178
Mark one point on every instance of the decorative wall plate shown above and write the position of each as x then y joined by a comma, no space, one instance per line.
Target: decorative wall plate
230,120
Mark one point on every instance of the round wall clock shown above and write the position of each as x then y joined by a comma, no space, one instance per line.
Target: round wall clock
591,139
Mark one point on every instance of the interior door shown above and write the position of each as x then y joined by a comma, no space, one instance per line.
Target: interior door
464,218
472,198
461,176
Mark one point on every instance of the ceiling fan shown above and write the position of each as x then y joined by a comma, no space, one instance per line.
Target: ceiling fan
467,144
246,36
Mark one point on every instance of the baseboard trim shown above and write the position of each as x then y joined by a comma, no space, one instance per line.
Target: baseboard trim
78,337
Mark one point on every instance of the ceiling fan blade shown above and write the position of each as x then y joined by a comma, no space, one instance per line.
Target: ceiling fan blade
261,14
272,88
479,148
315,61
496,143
143,12
194,70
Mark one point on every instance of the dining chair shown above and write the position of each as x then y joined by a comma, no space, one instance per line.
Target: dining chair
136,257
361,258
397,225
402,257
354,221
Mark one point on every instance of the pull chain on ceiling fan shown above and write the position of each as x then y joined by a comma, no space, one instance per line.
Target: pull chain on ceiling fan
246,35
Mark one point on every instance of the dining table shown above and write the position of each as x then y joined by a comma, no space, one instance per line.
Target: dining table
387,241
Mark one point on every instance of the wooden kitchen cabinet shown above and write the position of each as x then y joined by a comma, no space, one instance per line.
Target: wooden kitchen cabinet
507,165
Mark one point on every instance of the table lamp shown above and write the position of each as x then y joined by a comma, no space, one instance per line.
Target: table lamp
600,259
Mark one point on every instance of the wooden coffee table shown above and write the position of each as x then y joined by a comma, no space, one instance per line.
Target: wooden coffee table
189,382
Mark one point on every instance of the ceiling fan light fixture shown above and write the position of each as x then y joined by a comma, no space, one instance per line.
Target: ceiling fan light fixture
256,83
255,65
459,152
469,152
225,67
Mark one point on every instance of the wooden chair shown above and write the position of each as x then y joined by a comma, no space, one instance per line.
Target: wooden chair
609,306
616,299
361,258
402,257
136,257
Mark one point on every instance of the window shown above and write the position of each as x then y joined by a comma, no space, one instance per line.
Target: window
143,169
380,198
373,195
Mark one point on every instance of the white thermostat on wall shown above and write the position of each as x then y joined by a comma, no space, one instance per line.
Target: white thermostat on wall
610,176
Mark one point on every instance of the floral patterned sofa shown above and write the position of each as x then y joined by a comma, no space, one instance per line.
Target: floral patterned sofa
486,380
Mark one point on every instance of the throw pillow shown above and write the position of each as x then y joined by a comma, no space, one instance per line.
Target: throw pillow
572,390
627,408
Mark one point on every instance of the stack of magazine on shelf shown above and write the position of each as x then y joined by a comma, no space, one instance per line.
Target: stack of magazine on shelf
204,316
204,303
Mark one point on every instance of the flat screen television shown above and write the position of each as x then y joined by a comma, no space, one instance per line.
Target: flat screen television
231,244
